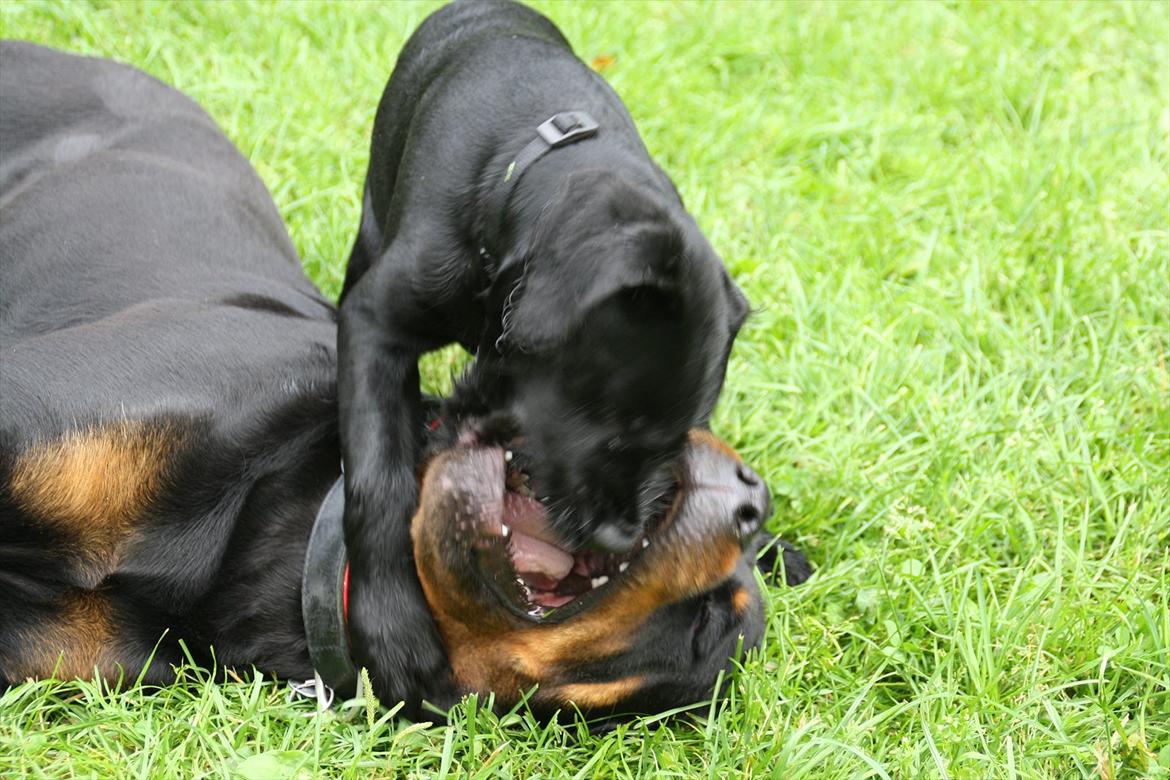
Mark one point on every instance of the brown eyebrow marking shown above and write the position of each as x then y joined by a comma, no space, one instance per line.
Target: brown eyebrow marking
740,600
701,437
93,484
69,645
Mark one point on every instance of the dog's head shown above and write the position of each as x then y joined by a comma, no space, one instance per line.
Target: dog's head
615,321
609,634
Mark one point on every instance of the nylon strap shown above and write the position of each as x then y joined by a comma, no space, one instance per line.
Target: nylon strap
559,130
322,594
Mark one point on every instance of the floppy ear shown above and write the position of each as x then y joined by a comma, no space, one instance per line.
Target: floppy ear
771,550
738,307
599,237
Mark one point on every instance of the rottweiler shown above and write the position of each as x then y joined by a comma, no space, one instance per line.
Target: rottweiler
170,450
511,207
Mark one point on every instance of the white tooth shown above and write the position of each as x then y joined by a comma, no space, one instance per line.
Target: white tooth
645,543
623,566
508,455
597,582
505,531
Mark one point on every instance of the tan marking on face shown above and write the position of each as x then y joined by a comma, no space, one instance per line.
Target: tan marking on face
92,485
70,645
490,650
473,636
699,437
740,600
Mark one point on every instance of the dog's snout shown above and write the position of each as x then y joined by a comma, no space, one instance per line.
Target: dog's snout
748,518
754,502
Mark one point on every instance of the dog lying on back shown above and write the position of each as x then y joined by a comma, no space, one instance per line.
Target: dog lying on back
511,207
169,446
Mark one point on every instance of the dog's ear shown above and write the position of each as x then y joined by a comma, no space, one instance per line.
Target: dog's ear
738,307
600,237
771,552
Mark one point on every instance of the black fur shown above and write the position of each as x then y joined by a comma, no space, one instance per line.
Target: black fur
602,341
148,278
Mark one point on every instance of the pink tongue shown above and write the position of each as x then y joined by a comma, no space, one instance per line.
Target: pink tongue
531,551
528,516
532,556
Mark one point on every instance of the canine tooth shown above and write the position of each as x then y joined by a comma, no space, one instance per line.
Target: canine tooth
645,543
505,531
623,566
597,582
508,456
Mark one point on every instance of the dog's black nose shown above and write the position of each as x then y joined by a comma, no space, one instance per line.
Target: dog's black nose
754,502
616,536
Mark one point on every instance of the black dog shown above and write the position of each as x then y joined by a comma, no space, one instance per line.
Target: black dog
169,436
511,207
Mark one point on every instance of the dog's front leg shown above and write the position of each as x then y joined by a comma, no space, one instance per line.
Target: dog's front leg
391,629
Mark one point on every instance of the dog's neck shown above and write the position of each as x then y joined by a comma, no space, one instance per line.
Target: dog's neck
558,131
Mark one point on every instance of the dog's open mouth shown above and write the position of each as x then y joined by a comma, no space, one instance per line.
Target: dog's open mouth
523,561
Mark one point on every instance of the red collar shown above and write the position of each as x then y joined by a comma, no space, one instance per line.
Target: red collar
345,597
325,595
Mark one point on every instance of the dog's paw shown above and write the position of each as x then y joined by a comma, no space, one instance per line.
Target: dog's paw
797,569
394,636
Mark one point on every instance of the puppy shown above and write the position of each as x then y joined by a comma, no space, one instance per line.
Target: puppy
511,207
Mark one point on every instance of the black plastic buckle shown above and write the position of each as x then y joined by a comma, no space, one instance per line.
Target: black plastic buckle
566,127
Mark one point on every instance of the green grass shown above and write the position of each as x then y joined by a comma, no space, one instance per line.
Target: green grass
952,221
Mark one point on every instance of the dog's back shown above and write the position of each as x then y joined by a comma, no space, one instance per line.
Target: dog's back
474,63
167,377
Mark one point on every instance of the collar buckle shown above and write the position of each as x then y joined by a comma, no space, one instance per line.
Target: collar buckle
566,127
560,129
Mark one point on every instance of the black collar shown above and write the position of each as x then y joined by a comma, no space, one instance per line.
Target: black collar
559,130
323,594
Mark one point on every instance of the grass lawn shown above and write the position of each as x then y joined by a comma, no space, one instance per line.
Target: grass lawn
953,223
